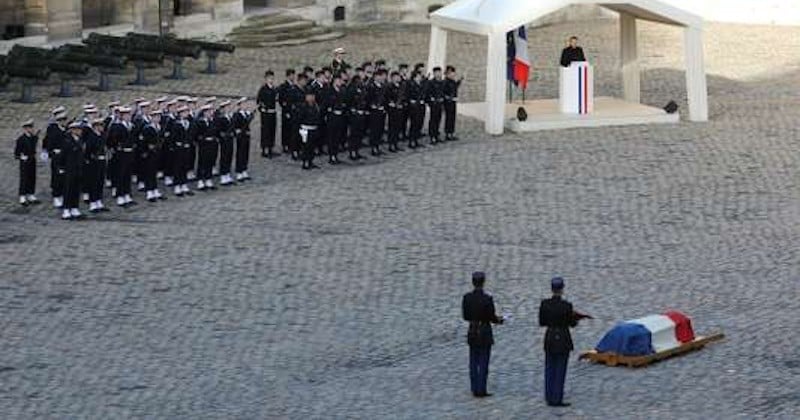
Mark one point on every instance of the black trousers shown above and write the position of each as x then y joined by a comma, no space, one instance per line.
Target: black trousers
179,158
165,164
395,125
357,125
97,174
449,117
192,161
288,132
405,118
243,149
417,117
124,172
149,163
269,121
555,372
377,123
479,368
435,119
27,176
307,150
207,157
72,187
337,132
113,169
56,178
225,154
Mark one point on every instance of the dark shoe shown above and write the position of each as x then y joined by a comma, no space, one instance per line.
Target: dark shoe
483,395
152,200
399,149
162,197
104,209
180,194
561,404
313,166
189,192
132,203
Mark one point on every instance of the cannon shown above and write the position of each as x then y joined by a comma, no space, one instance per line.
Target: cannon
212,50
176,51
28,76
142,58
106,63
33,58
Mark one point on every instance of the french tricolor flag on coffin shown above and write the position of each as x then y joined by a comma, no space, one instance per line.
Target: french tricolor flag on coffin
648,335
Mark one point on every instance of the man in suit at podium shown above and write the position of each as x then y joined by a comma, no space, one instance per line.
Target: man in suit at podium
572,53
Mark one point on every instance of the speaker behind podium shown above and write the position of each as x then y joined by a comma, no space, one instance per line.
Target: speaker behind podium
576,88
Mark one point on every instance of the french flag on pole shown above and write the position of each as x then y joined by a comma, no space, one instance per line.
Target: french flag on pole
522,65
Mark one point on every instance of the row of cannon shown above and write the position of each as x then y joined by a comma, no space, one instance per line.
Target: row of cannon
109,55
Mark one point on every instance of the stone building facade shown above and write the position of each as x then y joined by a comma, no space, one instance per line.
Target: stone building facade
65,19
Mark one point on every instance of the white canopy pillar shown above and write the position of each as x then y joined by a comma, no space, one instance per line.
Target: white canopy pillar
696,89
495,83
437,53
629,56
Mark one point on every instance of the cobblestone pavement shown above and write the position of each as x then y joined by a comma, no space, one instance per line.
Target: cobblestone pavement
336,293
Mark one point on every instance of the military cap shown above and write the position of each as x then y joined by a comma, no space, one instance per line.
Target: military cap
113,104
61,116
339,50
557,283
241,100
74,126
224,103
57,110
139,100
210,99
156,112
97,121
124,110
183,108
144,104
162,99
27,123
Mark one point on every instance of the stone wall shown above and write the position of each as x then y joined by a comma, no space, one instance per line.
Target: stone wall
12,12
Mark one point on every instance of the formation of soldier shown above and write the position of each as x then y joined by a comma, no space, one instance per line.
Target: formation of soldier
144,145
339,109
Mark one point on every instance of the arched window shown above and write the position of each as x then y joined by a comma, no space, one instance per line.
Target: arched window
338,14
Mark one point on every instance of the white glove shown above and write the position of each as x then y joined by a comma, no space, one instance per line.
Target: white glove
304,135
44,156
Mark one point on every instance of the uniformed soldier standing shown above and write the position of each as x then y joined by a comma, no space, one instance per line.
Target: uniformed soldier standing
435,95
95,168
376,99
266,99
336,128
179,143
72,160
416,110
54,136
241,129
223,124
285,100
150,149
395,99
310,118
25,152
338,64
478,309
123,143
558,316
356,101
450,90
204,135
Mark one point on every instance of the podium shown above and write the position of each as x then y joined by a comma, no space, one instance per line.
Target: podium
576,88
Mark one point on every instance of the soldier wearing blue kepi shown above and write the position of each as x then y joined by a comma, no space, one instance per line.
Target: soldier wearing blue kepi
478,309
558,316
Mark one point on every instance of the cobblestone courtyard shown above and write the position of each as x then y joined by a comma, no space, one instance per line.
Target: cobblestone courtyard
336,293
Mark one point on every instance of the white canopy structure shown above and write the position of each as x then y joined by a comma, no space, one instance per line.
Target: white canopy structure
494,18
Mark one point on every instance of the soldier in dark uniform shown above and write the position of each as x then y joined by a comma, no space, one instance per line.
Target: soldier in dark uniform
376,99
266,99
204,134
395,99
223,123
297,95
140,119
310,119
356,101
435,94
149,156
338,64
450,90
284,99
165,164
478,309
558,316
241,130
51,145
336,108
405,115
416,109
25,153
122,142
72,164
95,167
179,144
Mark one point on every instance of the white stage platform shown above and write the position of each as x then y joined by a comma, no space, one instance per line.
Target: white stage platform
544,114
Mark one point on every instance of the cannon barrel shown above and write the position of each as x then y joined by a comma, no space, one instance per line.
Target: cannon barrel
34,59
106,41
94,60
210,46
23,51
169,46
16,70
141,55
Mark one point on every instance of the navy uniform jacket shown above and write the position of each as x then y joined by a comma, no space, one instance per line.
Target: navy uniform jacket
267,97
241,124
95,147
450,89
477,307
72,158
434,91
26,146
53,139
557,315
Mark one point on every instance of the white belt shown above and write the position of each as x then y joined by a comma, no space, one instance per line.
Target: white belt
338,112
127,149
308,127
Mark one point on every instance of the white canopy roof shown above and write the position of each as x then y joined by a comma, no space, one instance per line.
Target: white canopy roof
500,16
